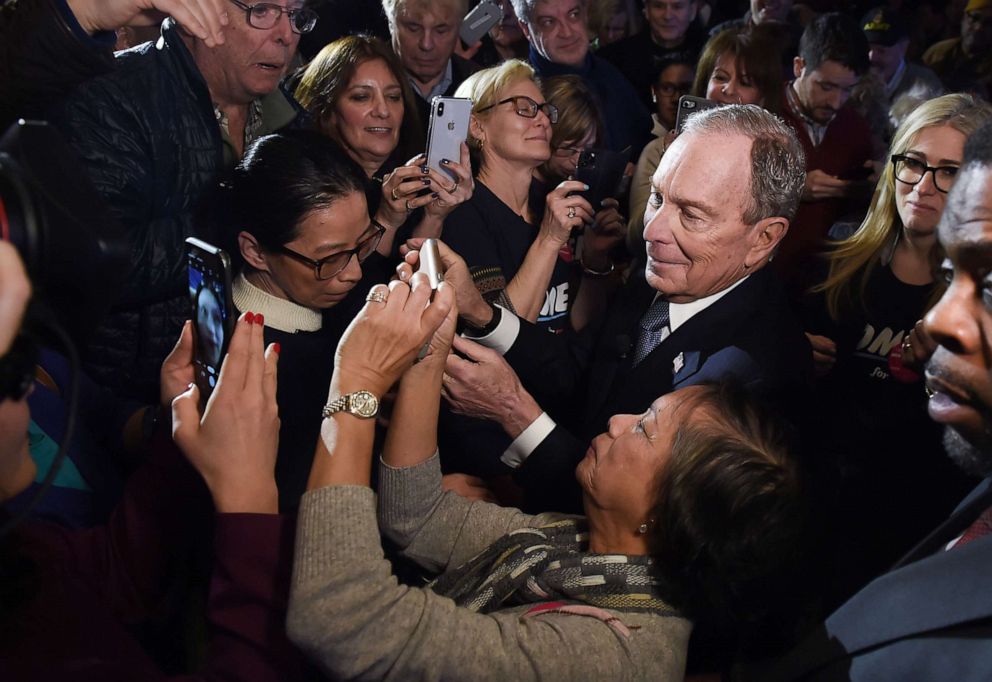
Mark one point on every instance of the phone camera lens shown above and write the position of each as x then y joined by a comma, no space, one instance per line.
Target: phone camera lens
440,109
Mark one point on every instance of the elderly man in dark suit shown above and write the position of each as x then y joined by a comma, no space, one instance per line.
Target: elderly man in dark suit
930,617
705,308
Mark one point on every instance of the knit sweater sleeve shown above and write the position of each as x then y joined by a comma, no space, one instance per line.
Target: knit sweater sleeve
440,530
348,614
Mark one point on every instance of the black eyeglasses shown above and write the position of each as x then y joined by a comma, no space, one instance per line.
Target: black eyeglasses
329,266
527,107
265,15
910,171
17,369
669,89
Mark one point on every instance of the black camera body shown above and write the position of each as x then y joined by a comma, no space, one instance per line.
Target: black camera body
72,246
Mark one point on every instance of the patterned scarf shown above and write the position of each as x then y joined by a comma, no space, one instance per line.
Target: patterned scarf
551,562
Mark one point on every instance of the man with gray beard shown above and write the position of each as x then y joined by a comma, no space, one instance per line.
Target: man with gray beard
930,617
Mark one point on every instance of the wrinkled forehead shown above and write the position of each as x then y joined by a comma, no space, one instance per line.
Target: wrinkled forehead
965,228
712,154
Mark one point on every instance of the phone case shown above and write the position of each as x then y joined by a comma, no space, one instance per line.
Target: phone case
479,21
602,170
448,129
689,105
211,310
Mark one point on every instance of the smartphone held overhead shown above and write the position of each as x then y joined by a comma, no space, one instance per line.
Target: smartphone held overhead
479,21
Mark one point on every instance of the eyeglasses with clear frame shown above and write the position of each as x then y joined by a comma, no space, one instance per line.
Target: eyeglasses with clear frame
328,267
528,108
265,15
910,171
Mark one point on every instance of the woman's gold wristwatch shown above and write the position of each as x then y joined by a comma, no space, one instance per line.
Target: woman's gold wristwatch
359,403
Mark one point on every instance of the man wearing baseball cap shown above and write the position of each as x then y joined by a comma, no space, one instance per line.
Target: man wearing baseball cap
965,63
888,38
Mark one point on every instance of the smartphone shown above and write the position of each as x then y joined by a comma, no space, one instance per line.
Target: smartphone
602,170
477,23
447,130
430,265
212,310
689,105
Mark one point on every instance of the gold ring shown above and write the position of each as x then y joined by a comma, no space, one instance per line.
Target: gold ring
408,209
395,198
376,297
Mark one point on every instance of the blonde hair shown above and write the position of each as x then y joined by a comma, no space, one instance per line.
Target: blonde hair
484,88
862,251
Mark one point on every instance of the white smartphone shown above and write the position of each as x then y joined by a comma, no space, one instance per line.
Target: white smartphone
430,265
447,130
479,21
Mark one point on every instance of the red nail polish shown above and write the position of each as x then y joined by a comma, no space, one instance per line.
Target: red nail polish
276,347
259,319
250,317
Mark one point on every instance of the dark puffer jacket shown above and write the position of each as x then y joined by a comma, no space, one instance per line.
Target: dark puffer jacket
149,139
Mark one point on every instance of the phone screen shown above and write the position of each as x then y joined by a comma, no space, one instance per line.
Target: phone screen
212,314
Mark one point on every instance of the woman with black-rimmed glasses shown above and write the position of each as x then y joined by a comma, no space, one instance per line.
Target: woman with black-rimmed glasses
298,230
516,240
516,237
864,322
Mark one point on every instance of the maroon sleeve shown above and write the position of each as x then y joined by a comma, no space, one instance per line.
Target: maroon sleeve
249,592
132,562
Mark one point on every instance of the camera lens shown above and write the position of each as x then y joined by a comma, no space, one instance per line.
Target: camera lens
440,109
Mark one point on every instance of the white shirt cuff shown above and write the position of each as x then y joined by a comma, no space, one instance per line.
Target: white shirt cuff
505,334
527,441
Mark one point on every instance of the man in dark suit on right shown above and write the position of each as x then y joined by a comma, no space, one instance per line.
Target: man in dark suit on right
930,617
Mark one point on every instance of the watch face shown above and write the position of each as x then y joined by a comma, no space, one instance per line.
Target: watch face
364,404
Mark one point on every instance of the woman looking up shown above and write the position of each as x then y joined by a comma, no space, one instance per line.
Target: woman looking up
549,597
358,95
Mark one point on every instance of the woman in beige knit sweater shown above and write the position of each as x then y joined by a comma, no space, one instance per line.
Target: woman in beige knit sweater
607,596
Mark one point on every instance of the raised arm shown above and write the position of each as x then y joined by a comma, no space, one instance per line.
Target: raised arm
562,214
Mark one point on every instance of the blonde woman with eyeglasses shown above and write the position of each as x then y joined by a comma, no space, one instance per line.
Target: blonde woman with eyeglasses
864,321
515,239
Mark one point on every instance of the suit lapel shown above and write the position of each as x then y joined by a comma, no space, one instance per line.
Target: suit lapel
619,387
936,590
962,517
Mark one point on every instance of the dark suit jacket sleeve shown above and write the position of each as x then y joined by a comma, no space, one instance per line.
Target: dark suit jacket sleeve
553,364
548,474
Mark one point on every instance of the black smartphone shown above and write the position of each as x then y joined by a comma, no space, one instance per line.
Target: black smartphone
689,105
447,130
212,310
602,170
